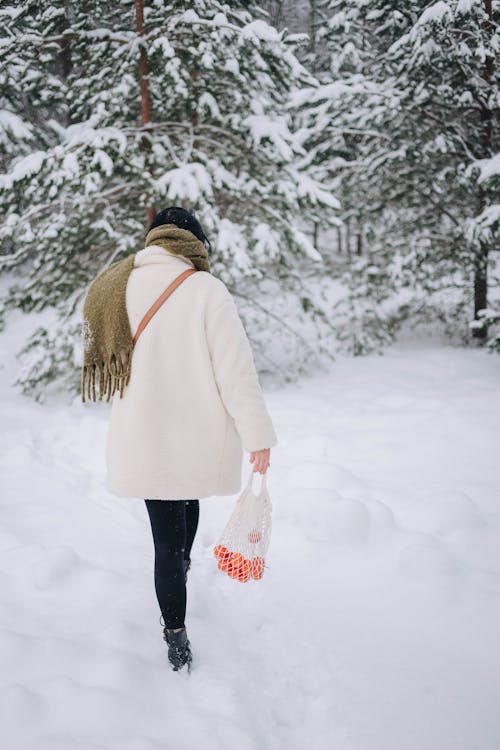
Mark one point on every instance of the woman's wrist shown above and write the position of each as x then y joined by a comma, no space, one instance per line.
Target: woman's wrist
260,460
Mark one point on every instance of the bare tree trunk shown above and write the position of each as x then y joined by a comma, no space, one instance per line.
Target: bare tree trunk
312,33
339,240
275,10
363,44
145,92
359,241
481,260
195,95
480,289
65,54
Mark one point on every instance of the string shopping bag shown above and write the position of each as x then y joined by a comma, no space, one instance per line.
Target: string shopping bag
241,548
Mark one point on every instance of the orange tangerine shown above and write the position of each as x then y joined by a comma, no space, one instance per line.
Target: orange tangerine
219,550
246,567
257,567
237,559
244,570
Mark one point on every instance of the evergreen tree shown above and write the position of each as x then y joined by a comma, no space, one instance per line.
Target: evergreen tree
405,127
30,89
156,105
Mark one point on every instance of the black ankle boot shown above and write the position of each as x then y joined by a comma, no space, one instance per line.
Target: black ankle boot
179,648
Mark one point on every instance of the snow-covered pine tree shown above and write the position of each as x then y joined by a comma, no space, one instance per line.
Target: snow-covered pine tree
30,89
31,85
163,105
332,128
452,96
405,127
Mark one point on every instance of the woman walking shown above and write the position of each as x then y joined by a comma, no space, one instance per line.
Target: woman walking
184,406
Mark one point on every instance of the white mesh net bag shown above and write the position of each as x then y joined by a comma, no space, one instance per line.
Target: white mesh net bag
242,546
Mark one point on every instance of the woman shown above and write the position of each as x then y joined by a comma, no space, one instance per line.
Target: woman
191,405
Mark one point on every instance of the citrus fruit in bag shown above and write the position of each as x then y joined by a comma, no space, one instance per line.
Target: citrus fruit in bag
257,567
244,570
246,533
223,563
220,550
234,564
237,559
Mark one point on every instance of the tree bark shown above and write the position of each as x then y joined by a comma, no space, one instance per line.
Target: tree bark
195,95
312,33
480,288
481,259
359,243
145,93
339,240
65,54
348,236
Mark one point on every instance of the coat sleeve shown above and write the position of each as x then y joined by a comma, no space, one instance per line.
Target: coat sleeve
236,376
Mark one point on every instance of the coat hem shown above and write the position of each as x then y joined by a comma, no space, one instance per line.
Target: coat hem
166,491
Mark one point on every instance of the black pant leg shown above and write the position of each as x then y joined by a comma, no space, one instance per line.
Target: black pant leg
192,517
168,525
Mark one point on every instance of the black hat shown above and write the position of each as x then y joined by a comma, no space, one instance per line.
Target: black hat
183,219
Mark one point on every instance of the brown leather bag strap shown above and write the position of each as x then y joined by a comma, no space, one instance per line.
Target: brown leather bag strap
161,299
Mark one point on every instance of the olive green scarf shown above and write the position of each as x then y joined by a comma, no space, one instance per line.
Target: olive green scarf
107,336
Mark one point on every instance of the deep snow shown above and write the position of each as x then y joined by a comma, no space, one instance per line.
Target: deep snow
375,626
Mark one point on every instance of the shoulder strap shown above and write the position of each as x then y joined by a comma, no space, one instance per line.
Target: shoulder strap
161,299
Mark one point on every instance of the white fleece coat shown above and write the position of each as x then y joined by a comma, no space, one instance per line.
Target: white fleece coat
193,400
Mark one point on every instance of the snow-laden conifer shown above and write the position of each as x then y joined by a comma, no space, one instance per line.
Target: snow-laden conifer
157,104
404,121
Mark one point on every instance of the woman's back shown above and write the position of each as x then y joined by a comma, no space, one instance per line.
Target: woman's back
193,397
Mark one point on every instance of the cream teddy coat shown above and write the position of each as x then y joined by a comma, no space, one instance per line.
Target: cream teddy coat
193,401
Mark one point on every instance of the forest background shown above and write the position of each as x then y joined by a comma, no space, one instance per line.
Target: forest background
341,156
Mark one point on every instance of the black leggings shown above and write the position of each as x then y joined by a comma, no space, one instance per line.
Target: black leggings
174,524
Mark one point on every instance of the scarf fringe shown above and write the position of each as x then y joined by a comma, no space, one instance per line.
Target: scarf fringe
114,375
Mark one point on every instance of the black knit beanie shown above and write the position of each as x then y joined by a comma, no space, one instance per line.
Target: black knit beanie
183,219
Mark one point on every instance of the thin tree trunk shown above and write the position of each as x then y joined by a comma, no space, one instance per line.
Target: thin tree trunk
481,260
276,14
195,95
315,235
145,92
65,54
480,289
312,32
339,240
363,44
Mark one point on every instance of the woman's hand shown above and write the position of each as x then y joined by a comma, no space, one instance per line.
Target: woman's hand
260,460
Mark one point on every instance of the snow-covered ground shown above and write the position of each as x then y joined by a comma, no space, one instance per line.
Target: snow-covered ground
376,626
